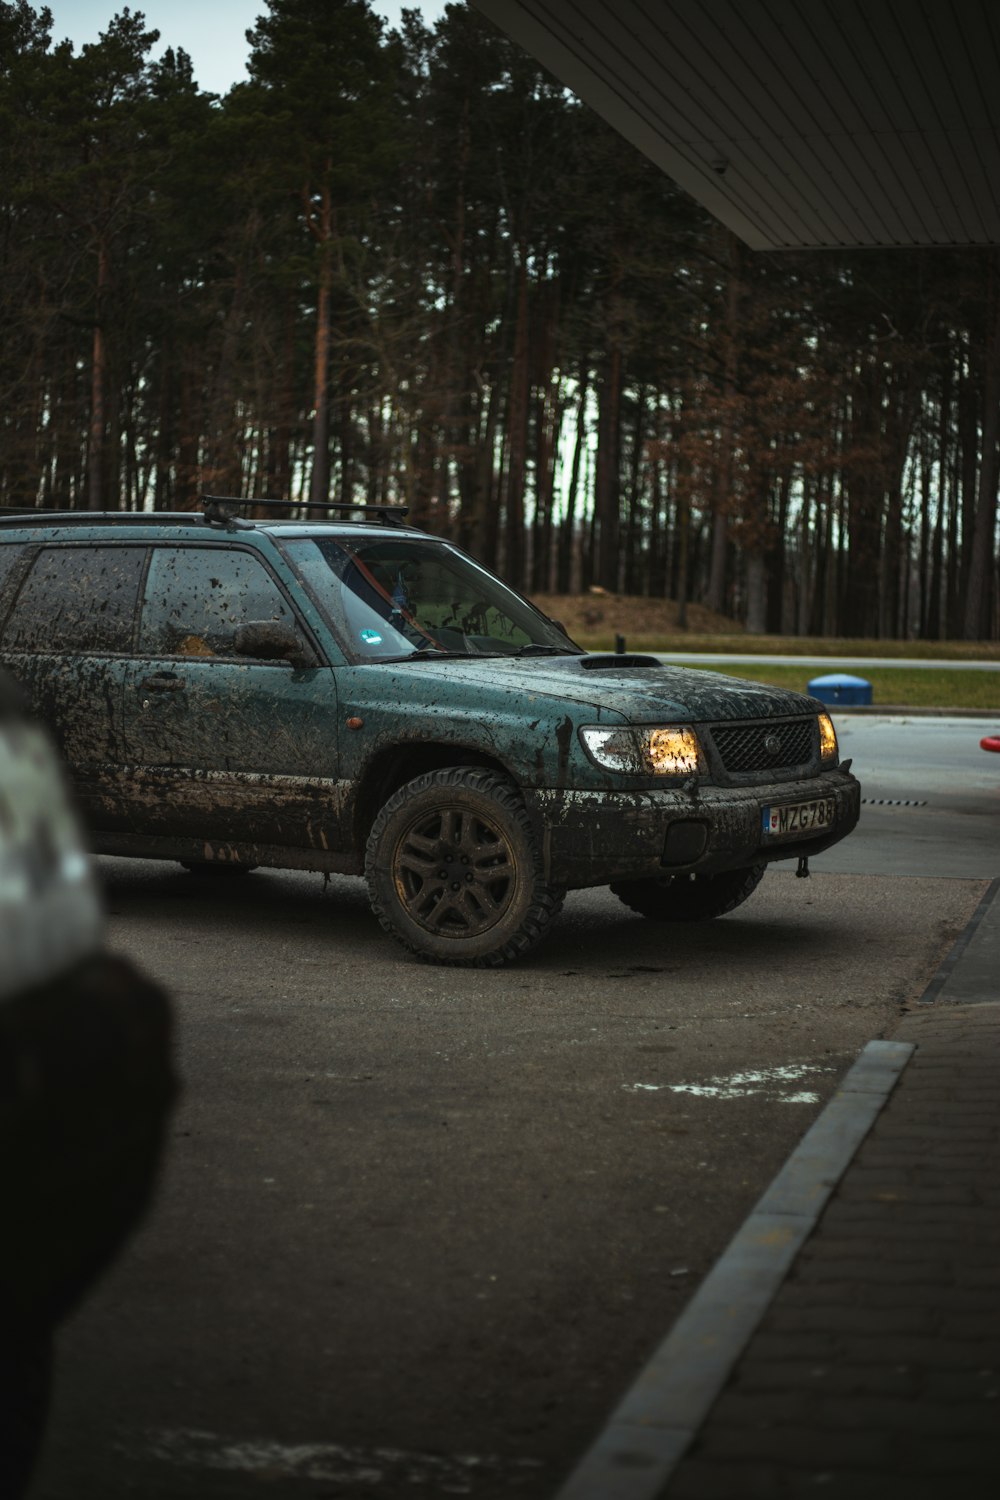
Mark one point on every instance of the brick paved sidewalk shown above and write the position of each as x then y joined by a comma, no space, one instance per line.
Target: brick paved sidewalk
876,1370
847,1342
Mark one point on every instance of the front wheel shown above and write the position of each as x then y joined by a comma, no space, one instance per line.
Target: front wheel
454,871
689,898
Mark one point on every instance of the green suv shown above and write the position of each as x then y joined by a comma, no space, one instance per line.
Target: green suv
354,695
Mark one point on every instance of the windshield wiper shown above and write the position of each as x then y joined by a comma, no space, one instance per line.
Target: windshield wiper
432,653
534,648
437,653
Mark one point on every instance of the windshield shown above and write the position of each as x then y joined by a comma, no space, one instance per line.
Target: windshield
394,597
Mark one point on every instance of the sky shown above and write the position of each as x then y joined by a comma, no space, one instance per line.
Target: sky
211,31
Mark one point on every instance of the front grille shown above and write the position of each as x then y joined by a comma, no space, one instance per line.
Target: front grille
766,746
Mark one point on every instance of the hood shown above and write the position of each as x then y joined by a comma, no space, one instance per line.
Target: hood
641,688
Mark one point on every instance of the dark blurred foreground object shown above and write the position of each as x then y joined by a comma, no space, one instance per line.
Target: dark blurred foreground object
86,1083
85,1090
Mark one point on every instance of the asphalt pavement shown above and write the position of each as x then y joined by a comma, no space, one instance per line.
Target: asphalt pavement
847,1341
930,797
421,1229
423,1222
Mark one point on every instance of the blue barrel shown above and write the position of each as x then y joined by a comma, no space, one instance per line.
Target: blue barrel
840,687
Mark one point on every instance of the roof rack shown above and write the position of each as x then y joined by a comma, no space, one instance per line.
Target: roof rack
218,508
39,516
29,516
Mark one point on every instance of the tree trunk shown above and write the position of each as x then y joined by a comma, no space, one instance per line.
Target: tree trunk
864,507
776,558
756,566
635,561
683,530
568,529
981,560
715,594
319,487
607,501
816,619
805,576
98,389
934,619
162,488
518,433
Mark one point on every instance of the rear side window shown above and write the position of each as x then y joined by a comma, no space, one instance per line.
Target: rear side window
77,599
197,596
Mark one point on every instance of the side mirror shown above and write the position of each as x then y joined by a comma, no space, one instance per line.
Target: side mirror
269,640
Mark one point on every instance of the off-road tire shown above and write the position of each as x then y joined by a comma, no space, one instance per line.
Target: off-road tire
689,898
455,873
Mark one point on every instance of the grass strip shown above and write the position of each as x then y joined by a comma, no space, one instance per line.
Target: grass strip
798,645
927,687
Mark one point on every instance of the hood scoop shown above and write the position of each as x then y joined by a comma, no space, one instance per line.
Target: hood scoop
620,661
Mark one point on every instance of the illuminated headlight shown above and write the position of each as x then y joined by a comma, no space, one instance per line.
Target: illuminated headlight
827,739
669,751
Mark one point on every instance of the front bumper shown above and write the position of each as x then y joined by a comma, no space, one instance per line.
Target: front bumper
591,838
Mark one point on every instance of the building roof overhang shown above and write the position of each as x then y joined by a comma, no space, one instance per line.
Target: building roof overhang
797,123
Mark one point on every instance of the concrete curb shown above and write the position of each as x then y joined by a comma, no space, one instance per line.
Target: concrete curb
658,1417
976,982
900,711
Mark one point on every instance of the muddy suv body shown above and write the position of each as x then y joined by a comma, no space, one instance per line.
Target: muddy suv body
357,696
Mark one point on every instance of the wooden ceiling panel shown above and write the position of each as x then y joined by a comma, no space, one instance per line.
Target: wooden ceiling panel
796,122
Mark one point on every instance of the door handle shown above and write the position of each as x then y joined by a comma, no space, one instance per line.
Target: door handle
163,682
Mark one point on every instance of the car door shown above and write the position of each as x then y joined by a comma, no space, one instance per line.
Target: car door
225,747
68,640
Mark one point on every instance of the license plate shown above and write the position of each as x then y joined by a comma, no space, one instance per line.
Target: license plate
798,817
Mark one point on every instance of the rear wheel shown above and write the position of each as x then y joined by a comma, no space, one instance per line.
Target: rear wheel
454,871
689,898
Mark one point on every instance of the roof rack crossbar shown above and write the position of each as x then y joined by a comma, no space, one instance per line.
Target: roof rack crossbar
217,507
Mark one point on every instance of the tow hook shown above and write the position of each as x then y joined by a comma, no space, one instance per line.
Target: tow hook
802,869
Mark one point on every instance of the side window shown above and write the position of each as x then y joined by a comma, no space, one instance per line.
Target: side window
197,596
77,599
